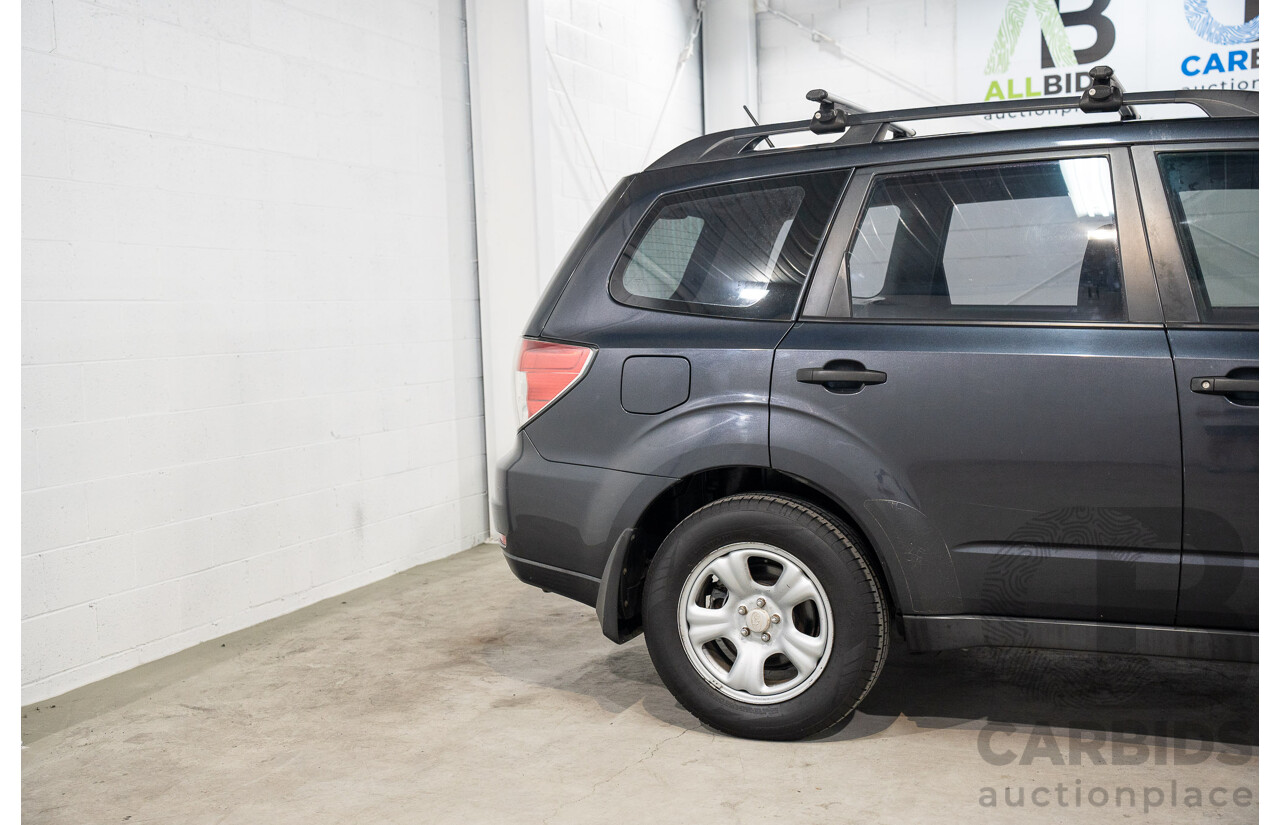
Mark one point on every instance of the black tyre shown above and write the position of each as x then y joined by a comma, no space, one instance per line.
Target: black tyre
763,617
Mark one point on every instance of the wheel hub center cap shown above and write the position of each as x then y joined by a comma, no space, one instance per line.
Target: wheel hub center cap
758,620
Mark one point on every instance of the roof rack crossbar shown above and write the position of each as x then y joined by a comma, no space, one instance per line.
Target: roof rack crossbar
833,115
1105,94
1214,104
862,127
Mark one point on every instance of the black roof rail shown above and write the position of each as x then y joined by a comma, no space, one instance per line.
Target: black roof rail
861,127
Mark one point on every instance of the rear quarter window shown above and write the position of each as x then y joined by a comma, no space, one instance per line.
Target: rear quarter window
740,250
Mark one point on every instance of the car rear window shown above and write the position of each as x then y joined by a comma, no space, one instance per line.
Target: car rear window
740,250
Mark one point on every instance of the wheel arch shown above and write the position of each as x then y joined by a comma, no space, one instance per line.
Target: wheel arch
619,604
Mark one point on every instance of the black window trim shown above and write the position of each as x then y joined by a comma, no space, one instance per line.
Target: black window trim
1140,295
1171,270
642,224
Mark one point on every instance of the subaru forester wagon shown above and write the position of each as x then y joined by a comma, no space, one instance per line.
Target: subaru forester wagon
978,389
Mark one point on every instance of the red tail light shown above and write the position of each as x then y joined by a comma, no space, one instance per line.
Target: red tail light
545,371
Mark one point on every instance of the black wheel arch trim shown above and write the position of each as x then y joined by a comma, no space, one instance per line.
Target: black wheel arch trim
622,580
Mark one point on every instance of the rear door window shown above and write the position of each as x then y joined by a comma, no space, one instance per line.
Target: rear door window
740,250
1023,241
1214,200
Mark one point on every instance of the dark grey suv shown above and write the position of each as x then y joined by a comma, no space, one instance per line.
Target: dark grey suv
995,388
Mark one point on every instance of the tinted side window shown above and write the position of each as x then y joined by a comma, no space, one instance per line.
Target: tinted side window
1214,198
741,250
1026,241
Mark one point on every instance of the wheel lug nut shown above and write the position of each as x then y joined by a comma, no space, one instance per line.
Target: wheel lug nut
759,602
742,610
764,637
775,618
746,632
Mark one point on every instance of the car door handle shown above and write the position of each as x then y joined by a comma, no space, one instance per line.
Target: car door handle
1222,385
819,375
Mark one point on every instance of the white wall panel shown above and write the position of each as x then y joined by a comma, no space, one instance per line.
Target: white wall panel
251,371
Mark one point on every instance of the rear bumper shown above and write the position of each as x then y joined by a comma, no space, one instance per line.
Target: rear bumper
577,586
563,521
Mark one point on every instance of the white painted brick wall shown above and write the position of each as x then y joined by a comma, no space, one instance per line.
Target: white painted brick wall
912,40
617,60
251,373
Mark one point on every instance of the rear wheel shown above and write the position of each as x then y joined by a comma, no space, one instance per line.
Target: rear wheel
763,617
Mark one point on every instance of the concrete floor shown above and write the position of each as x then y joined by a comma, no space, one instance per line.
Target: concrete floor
453,693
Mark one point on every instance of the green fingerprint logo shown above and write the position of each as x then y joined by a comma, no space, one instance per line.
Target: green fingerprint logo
1015,14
